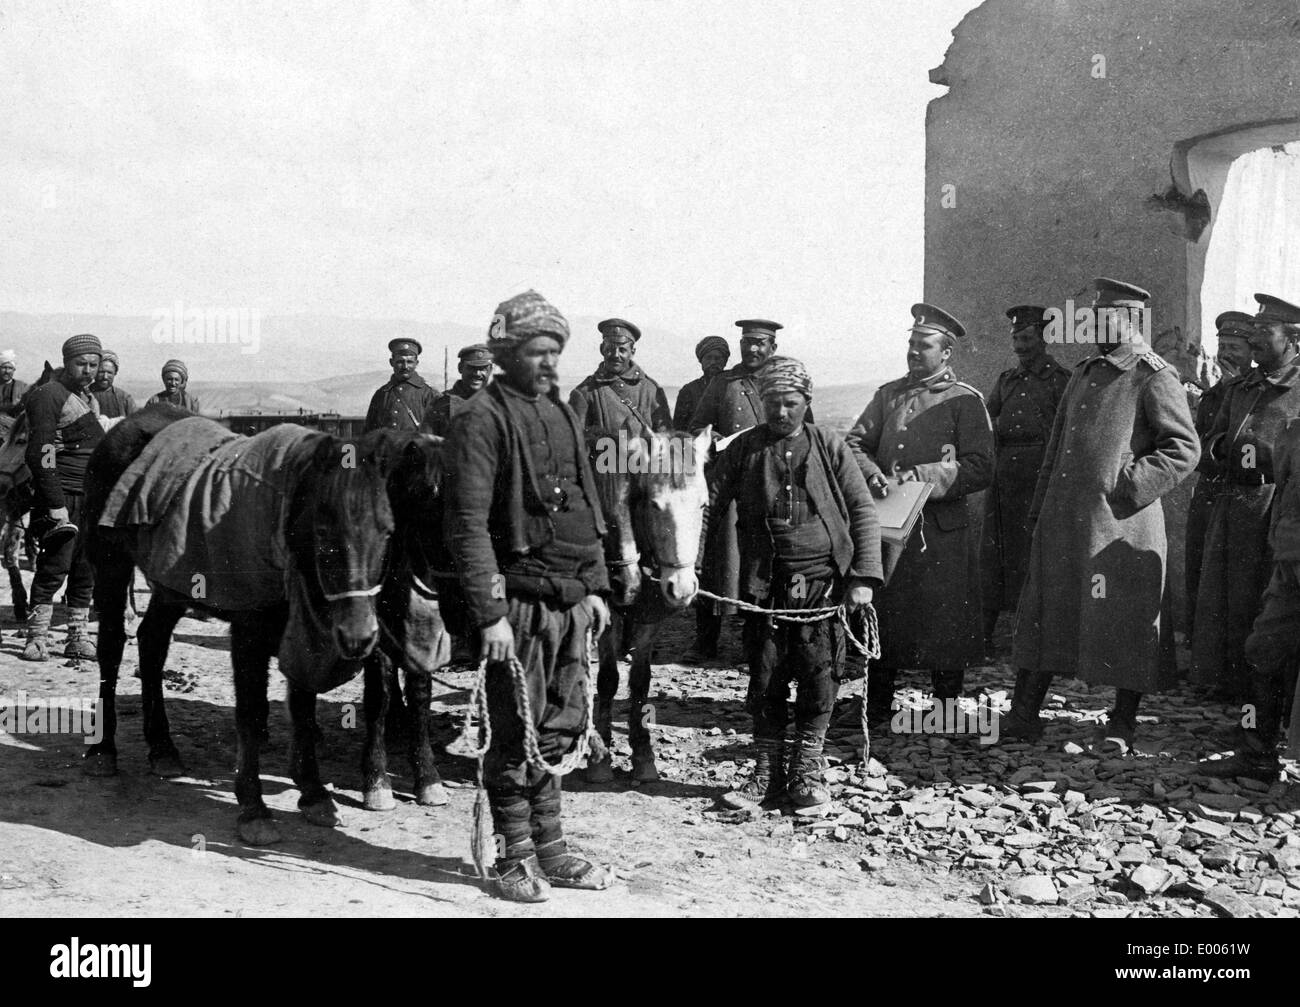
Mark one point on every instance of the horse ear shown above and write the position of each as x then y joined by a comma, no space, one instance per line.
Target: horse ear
703,445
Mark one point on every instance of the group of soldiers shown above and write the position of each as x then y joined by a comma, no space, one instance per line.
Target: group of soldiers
1075,462
66,418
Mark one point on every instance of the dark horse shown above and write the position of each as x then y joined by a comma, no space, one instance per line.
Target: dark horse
413,637
653,495
329,528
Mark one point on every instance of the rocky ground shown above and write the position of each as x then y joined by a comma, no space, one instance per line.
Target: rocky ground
934,826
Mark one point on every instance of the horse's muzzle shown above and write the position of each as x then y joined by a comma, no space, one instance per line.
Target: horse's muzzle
679,586
356,629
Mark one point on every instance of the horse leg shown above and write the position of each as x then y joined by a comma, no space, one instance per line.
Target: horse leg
429,791
640,713
110,600
314,801
602,770
251,644
155,639
376,790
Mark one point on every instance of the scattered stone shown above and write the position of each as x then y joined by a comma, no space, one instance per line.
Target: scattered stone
1024,840
988,895
1034,889
1226,902
1133,853
1150,879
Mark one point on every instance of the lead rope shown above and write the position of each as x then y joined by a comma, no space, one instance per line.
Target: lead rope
868,647
589,743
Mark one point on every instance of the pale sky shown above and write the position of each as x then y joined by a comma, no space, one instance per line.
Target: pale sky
681,164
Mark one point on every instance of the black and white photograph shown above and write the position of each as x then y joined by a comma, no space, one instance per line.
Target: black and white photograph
651,459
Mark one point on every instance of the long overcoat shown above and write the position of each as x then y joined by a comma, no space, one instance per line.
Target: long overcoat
930,608
1095,603
631,401
1208,484
1022,406
1237,561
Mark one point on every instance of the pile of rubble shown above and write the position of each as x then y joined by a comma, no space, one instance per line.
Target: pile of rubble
1058,822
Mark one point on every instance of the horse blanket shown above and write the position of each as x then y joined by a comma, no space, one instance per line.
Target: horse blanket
210,509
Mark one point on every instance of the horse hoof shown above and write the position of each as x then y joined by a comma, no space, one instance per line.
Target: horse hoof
600,771
432,795
259,832
323,813
379,799
99,764
167,766
644,771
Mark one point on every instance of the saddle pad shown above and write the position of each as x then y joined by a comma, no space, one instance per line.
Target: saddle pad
210,509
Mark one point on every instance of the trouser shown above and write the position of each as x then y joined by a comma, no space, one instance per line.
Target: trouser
708,628
1273,649
69,561
551,644
780,653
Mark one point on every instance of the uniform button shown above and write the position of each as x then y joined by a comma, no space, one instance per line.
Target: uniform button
900,447
788,488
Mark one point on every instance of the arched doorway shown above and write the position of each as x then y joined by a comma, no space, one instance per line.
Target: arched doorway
1250,176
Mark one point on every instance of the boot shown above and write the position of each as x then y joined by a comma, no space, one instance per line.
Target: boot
1022,722
79,644
1256,758
602,770
38,633
19,594
1121,722
807,789
1256,755
518,875
768,782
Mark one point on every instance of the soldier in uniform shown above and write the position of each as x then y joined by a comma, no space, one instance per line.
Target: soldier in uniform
730,403
474,364
619,396
1273,647
1236,562
524,527
1096,602
1021,406
808,539
713,353
406,401
930,427
1234,360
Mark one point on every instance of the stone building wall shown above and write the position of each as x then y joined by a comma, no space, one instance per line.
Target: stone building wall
1060,152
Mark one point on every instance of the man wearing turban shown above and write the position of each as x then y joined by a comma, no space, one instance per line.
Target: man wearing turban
713,353
11,389
113,402
524,528
63,416
808,538
176,378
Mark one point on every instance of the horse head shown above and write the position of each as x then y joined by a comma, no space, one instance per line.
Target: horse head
340,525
669,496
